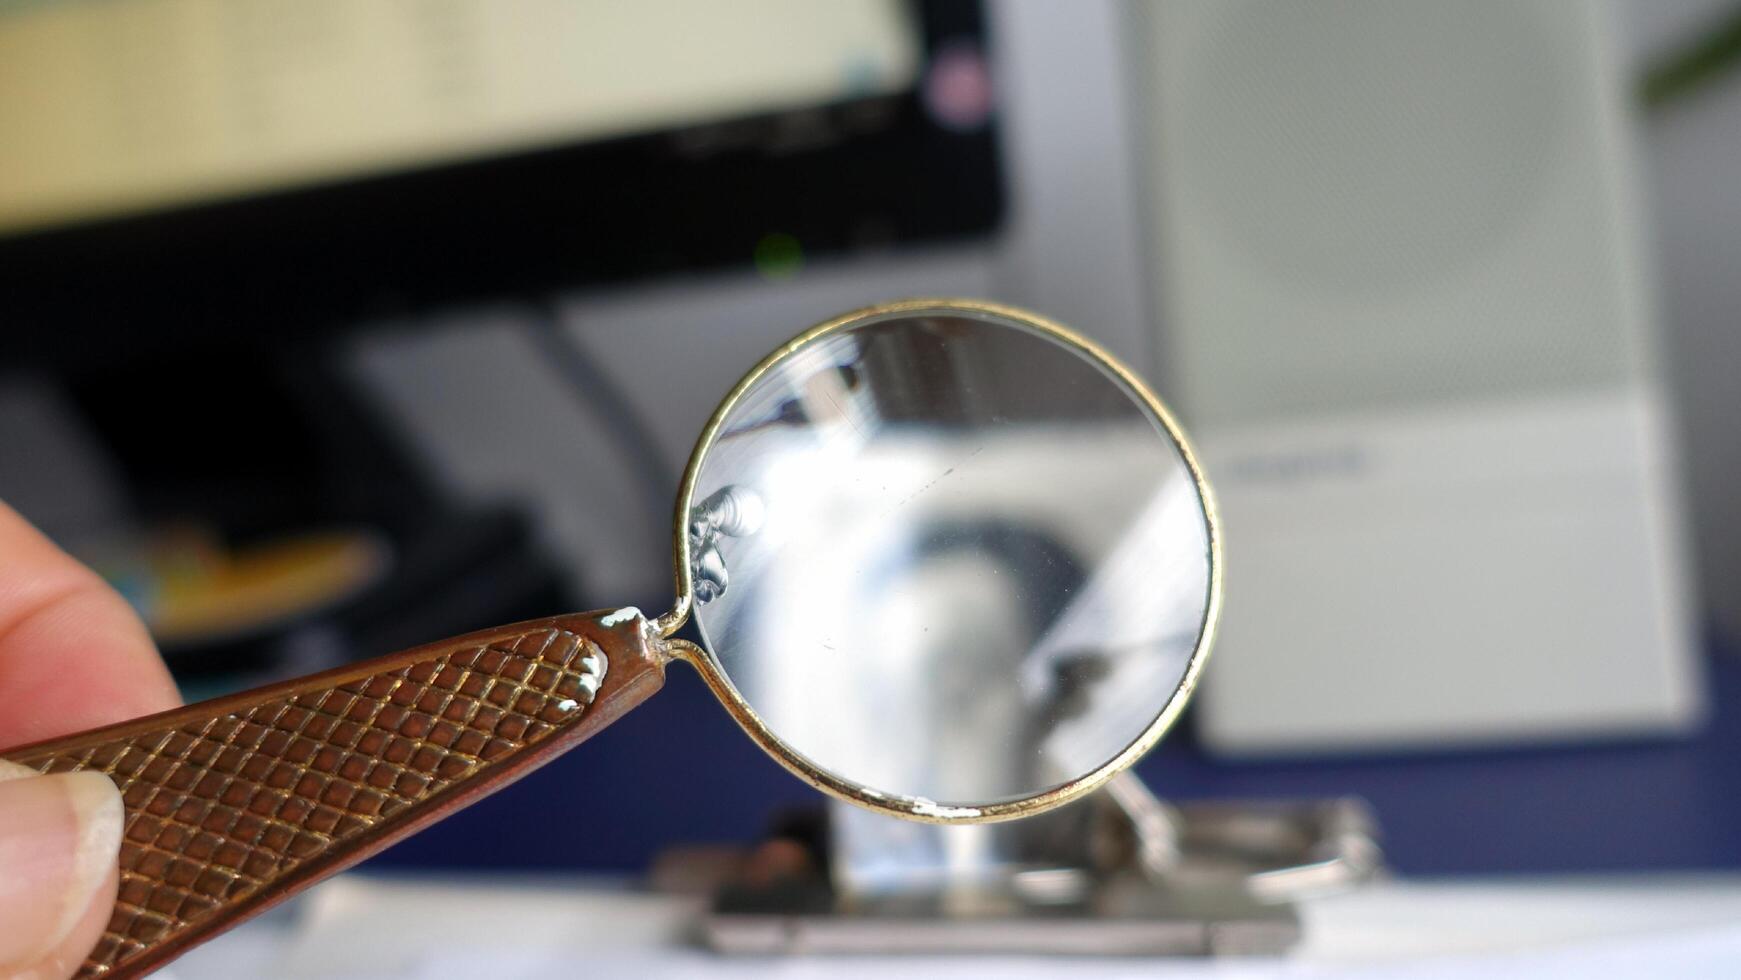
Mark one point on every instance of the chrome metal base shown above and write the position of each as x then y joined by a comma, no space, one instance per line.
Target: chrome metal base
1232,890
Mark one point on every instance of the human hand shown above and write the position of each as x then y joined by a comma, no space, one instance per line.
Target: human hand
72,656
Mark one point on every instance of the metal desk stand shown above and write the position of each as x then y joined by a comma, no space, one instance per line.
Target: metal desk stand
1118,874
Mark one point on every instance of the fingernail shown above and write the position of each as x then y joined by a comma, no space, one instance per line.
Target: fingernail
59,836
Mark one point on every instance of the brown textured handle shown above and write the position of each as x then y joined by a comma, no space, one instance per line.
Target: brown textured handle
235,804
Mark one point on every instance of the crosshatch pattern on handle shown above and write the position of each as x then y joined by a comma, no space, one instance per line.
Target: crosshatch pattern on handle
218,810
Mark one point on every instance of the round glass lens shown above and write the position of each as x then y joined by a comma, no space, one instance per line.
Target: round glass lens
949,556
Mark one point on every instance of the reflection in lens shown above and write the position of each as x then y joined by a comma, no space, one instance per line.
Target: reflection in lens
978,566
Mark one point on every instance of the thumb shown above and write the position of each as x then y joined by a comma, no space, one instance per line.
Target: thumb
59,837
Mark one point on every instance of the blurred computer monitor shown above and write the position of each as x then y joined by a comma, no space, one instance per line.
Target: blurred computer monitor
204,170
203,201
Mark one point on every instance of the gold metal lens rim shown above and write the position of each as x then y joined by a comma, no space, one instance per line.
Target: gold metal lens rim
906,807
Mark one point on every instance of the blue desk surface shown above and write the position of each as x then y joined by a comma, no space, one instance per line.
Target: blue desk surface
678,770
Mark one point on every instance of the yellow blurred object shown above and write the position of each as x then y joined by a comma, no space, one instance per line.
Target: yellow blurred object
203,592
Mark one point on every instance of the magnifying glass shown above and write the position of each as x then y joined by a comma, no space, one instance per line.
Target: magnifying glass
855,526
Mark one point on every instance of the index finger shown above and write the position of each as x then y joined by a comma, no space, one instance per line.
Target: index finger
73,654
